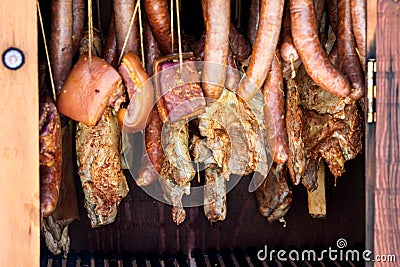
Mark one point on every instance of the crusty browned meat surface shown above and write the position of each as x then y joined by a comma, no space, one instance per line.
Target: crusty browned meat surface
274,196
173,193
236,135
214,194
55,227
103,181
175,141
331,128
312,97
56,236
310,177
214,188
177,170
50,149
297,158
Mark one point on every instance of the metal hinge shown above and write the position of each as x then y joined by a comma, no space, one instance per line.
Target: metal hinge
371,90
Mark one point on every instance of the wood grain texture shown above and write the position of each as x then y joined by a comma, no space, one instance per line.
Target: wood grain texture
387,184
19,135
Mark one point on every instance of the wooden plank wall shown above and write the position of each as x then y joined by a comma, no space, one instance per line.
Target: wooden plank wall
19,135
387,190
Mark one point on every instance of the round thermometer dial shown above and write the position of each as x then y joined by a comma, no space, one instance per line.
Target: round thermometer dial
13,58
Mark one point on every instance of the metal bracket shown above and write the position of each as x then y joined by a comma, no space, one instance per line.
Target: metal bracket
371,90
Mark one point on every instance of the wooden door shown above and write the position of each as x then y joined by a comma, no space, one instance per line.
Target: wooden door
383,137
19,137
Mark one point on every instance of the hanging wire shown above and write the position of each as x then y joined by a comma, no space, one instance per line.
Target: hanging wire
178,21
129,31
47,52
172,25
90,24
141,35
99,25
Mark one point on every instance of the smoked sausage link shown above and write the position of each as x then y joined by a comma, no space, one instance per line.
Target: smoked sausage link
78,23
333,14
61,41
274,113
358,17
160,22
216,48
349,62
254,18
288,51
153,156
151,49
313,56
110,46
123,11
50,147
264,48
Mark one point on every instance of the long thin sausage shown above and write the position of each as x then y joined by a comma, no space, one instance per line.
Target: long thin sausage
274,113
288,50
313,56
334,55
319,6
254,18
110,46
216,49
349,62
50,144
160,22
264,48
123,13
333,14
78,23
151,49
61,41
358,18
153,156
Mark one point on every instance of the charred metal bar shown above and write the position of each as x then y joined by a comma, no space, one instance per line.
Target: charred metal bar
98,259
241,257
213,257
182,259
227,257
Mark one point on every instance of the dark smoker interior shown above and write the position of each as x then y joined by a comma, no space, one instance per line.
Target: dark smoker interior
144,225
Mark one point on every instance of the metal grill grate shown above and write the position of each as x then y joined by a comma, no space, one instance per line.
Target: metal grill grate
209,258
